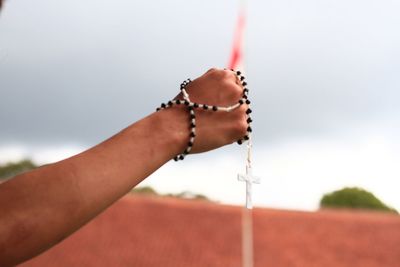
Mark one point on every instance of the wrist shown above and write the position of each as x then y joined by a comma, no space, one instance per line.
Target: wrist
172,129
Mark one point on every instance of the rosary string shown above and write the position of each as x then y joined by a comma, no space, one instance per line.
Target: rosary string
191,106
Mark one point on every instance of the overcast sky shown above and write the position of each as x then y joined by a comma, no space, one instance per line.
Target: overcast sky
324,79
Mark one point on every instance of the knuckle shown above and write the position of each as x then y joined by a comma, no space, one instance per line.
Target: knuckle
229,75
211,70
242,110
241,127
236,90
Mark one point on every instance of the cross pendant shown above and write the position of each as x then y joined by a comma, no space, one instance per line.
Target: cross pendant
249,179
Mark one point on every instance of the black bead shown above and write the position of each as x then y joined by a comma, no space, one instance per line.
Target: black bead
192,116
214,108
249,129
241,102
176,158
240,142
163,105
249,120
196,105
238,72
181,157
192,134
245,90
193,125
242,78
248,111
178,101
246,137
205,107
245,96
244,83
186,103
190,144
158,109
247,101
170,103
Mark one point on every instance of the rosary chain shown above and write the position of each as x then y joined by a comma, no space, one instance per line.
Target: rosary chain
191,106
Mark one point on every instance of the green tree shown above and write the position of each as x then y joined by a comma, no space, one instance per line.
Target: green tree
145,190
13,168
354,198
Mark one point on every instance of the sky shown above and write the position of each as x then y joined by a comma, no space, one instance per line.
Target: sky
323,77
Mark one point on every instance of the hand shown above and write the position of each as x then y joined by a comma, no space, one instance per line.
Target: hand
215,129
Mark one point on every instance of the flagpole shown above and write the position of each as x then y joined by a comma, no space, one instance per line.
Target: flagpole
236,62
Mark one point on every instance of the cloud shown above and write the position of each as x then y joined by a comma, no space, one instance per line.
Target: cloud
80,71
294,174
323,77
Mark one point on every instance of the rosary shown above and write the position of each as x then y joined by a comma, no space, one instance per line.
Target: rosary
192,106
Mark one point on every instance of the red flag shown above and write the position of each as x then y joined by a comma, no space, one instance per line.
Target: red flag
236,59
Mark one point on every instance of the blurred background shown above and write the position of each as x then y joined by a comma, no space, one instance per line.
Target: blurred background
324,81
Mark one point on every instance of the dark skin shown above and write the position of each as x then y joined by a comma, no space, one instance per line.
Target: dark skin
46,205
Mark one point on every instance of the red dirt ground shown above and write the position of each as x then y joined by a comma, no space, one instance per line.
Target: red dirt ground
146,231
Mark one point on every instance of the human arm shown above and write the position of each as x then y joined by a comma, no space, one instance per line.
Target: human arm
42,207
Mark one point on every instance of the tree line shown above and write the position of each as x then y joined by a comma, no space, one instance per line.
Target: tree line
346,198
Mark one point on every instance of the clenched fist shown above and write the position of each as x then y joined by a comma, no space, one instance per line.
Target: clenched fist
213,129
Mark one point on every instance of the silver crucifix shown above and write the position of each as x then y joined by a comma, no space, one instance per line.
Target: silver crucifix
249,179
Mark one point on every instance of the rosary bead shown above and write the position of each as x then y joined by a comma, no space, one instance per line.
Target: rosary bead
191,106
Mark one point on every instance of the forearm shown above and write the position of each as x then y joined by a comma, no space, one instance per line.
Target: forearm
42,207
63,196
